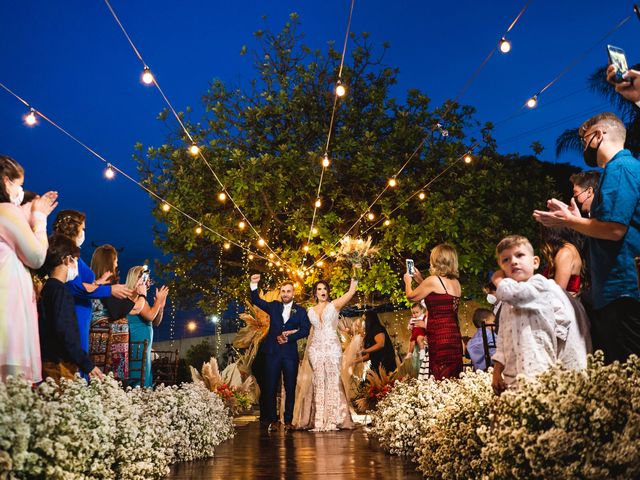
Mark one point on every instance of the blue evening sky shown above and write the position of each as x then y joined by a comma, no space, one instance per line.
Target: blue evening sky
69,59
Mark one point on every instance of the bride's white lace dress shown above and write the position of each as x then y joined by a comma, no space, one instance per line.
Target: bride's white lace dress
331,410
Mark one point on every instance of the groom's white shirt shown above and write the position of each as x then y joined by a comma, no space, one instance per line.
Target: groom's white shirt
286,313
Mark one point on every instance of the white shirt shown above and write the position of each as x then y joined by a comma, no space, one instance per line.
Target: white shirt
286,313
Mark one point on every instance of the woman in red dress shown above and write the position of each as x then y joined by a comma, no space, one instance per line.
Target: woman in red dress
561,249
441,292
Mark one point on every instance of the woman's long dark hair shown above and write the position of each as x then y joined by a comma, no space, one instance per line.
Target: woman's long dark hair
372,326
552,239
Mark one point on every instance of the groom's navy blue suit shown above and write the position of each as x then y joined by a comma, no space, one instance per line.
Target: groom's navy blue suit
280,359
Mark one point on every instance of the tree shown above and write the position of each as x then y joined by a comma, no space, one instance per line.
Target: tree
569,141
267,141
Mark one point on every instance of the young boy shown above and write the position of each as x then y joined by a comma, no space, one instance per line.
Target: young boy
537,323
418,314
61,352
483,318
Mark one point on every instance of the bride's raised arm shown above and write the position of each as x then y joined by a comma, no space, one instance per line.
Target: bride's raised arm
339,303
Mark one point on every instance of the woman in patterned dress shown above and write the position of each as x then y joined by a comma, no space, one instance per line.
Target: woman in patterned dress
441,292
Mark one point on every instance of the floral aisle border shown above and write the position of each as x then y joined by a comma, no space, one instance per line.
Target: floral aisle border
100,431
564,425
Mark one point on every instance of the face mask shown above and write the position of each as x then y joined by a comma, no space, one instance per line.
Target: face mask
72,272
17,197
491,298
80,239
590,154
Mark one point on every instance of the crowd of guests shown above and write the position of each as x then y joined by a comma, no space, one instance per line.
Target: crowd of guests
59,316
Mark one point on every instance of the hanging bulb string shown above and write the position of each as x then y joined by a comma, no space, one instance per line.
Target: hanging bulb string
331,124
582,56
185,130
122,172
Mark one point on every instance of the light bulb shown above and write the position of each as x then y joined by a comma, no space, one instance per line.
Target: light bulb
222,196
227,246
242,225
271,264
278,264
198,230
30,118
109,172
341,90
325,160
505,45
318,203
320,263
306,248
166,207
468,158
261,242
332,254
194,149
371,216
147,76
387,223
281,269
532,102
422,195
271,255
393,182
251,256
314,230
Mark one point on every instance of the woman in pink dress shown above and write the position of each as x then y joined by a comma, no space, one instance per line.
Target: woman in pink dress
23,245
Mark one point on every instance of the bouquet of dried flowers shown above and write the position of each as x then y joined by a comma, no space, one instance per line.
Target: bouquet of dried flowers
356,251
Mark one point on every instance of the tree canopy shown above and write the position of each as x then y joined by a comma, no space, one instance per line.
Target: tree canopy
266,141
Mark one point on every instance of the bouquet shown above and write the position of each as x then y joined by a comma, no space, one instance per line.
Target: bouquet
356,251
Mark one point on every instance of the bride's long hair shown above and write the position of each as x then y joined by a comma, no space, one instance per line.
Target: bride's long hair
315,290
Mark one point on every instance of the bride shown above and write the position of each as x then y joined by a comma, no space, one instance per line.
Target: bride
321,402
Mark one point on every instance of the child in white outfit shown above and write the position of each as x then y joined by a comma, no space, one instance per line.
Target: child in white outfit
538,325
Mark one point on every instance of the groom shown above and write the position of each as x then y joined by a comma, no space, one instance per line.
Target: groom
279,351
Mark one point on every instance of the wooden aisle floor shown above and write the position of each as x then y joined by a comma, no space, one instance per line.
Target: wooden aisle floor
255,453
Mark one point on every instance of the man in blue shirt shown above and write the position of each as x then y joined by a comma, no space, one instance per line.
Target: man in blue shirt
613,232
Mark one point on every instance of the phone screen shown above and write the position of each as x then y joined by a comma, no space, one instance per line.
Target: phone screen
410,267
619,60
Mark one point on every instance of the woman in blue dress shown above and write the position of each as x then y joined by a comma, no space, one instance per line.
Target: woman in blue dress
142,319
85,287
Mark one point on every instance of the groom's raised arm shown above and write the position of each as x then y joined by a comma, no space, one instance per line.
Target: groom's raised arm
255,294
303,331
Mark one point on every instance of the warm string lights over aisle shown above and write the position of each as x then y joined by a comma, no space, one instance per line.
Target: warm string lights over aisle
149,78
339,92
31,120
504,45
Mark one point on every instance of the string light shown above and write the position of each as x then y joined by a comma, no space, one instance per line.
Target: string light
325,160
242,225
422,195
109,172
261,242
271,255
250,256
194,149
199,230
533,102
387,223
191,326
314,230
147,76
371,216
468,158
505,45
341,90
166,207
306,248
332,254
30,118
393,182
278,263
318,203
222,197
227,246
320,263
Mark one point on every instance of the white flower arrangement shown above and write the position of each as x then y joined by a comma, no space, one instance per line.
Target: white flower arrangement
75,431
565,424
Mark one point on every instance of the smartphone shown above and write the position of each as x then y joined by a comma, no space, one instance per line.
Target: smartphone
411,269
618,59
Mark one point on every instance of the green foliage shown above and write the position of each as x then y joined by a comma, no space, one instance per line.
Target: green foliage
266,142
199,354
